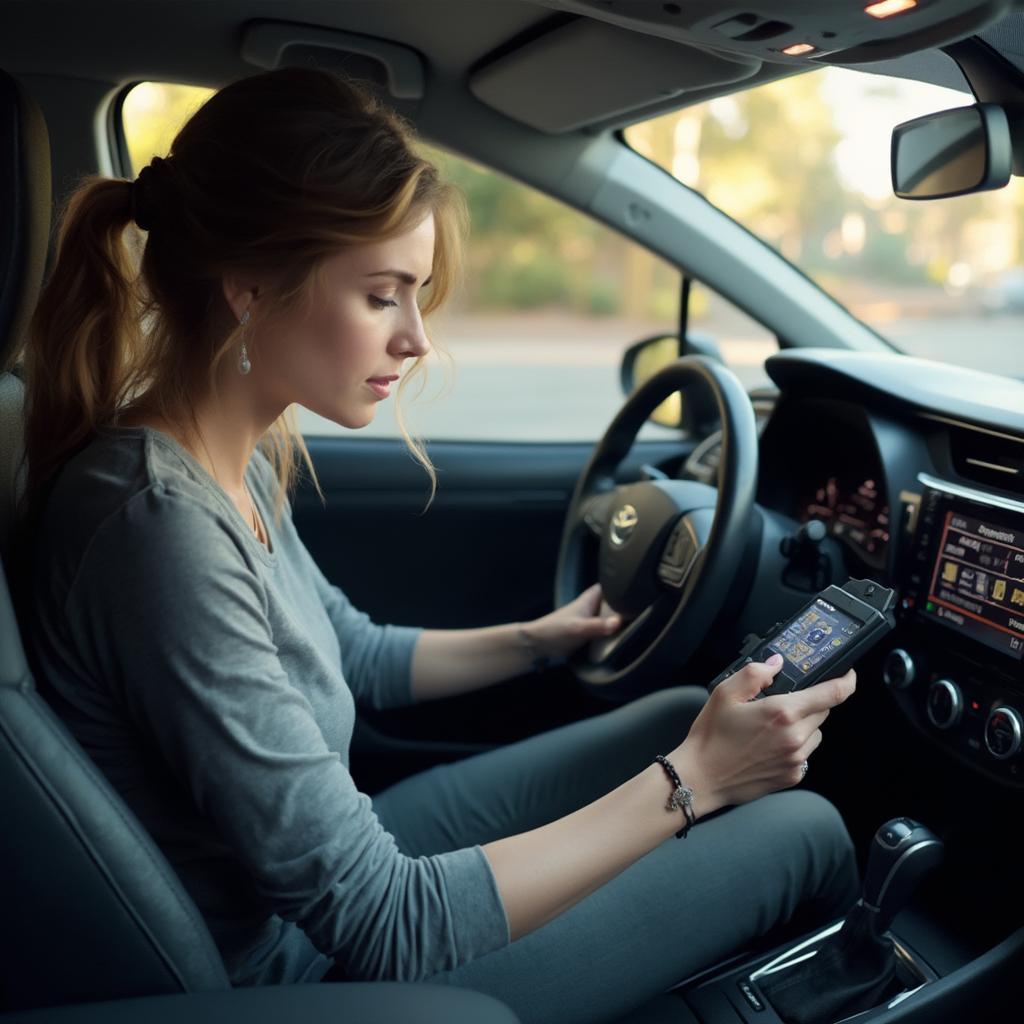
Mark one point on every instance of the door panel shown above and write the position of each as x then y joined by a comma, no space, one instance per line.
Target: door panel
483,553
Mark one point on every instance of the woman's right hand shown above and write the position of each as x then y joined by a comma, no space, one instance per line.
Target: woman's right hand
744,748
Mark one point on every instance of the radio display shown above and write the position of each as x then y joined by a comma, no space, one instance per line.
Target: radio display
977,581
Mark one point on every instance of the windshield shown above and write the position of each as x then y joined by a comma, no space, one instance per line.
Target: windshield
804,164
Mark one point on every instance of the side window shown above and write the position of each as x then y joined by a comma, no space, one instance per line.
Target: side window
151,115
745,343
550,300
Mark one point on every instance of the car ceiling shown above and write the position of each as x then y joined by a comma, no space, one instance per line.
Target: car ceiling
486,43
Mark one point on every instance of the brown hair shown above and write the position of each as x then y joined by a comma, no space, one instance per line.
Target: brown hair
274,172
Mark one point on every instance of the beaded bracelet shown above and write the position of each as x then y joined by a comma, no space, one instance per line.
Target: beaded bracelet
682,796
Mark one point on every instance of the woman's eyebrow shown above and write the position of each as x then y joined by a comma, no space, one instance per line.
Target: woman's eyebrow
402,275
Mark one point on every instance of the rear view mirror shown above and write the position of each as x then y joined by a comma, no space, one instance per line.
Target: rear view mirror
951,153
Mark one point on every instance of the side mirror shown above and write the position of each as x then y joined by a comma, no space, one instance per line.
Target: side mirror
952,153
644,358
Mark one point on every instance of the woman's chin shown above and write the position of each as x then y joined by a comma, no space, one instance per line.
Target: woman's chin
355,420
350,418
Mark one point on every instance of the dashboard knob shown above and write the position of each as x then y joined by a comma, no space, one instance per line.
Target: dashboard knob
898,669
945,703
1004,732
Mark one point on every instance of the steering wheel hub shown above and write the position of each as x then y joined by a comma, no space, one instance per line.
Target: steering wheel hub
667,551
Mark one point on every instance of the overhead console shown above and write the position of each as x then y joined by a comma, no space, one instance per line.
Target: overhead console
800,31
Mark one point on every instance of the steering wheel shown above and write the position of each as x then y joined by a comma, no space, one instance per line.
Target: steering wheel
667,551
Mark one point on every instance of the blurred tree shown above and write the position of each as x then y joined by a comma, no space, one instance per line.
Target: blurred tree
527,250
767,156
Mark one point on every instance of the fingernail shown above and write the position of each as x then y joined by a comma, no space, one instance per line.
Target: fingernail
775,659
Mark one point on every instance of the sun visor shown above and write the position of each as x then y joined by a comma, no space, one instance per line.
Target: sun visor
587,71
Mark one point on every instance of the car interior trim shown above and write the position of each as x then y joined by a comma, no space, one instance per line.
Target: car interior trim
962,491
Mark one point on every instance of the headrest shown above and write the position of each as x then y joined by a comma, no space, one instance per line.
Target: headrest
25,210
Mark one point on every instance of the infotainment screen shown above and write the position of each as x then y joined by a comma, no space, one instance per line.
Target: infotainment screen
977,579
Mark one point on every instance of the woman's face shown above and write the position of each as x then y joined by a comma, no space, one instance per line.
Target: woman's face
364,324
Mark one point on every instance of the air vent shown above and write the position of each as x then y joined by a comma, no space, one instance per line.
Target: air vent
989,458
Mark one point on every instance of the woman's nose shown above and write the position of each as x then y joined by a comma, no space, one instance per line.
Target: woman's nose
413,339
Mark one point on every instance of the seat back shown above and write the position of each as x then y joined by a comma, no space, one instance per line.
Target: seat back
92,910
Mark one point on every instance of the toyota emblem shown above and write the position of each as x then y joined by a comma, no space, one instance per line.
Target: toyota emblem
623,524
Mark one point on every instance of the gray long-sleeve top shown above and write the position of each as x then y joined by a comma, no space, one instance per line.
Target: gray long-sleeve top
215,682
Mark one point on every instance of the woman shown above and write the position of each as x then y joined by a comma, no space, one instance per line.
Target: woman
294,243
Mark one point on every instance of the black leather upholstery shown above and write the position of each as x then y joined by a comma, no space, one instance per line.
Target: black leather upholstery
25,202
92,909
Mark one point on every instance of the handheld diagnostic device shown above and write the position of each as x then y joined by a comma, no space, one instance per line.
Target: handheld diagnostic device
823,639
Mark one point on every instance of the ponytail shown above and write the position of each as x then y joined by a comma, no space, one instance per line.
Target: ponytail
83,334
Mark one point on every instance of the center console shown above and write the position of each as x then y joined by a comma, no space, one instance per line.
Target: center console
733,995
955,668
872,965
851,966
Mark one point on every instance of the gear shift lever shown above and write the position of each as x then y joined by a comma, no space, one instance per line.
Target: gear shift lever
855,968
902,853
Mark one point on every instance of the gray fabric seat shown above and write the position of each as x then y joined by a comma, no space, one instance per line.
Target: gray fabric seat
93,911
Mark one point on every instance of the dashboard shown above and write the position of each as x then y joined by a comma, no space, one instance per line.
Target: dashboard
853,510
911,473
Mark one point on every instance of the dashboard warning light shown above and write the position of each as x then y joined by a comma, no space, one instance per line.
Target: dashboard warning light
887,8
975,705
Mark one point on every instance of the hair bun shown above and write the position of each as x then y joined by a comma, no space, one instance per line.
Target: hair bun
147,190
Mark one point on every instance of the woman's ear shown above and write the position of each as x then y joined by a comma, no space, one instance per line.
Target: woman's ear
240,291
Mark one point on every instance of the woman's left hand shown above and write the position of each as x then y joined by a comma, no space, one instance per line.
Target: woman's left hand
562,631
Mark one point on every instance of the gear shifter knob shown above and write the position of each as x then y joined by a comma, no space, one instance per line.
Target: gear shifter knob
902,852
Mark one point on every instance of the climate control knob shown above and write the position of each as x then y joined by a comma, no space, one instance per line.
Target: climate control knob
945,704
1004,732
898,669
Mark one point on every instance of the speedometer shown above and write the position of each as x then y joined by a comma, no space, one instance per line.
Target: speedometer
855,514
823,506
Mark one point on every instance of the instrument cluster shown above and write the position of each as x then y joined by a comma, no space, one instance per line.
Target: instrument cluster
821,461
854,510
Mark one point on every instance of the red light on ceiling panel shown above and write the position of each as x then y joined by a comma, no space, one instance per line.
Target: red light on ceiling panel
887,8
798,48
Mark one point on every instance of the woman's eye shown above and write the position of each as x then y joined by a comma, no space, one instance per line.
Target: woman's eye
381,303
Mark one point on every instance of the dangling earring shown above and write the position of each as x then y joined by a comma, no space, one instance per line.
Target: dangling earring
244,366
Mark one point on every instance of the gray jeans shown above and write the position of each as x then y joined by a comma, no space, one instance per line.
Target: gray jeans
740,874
